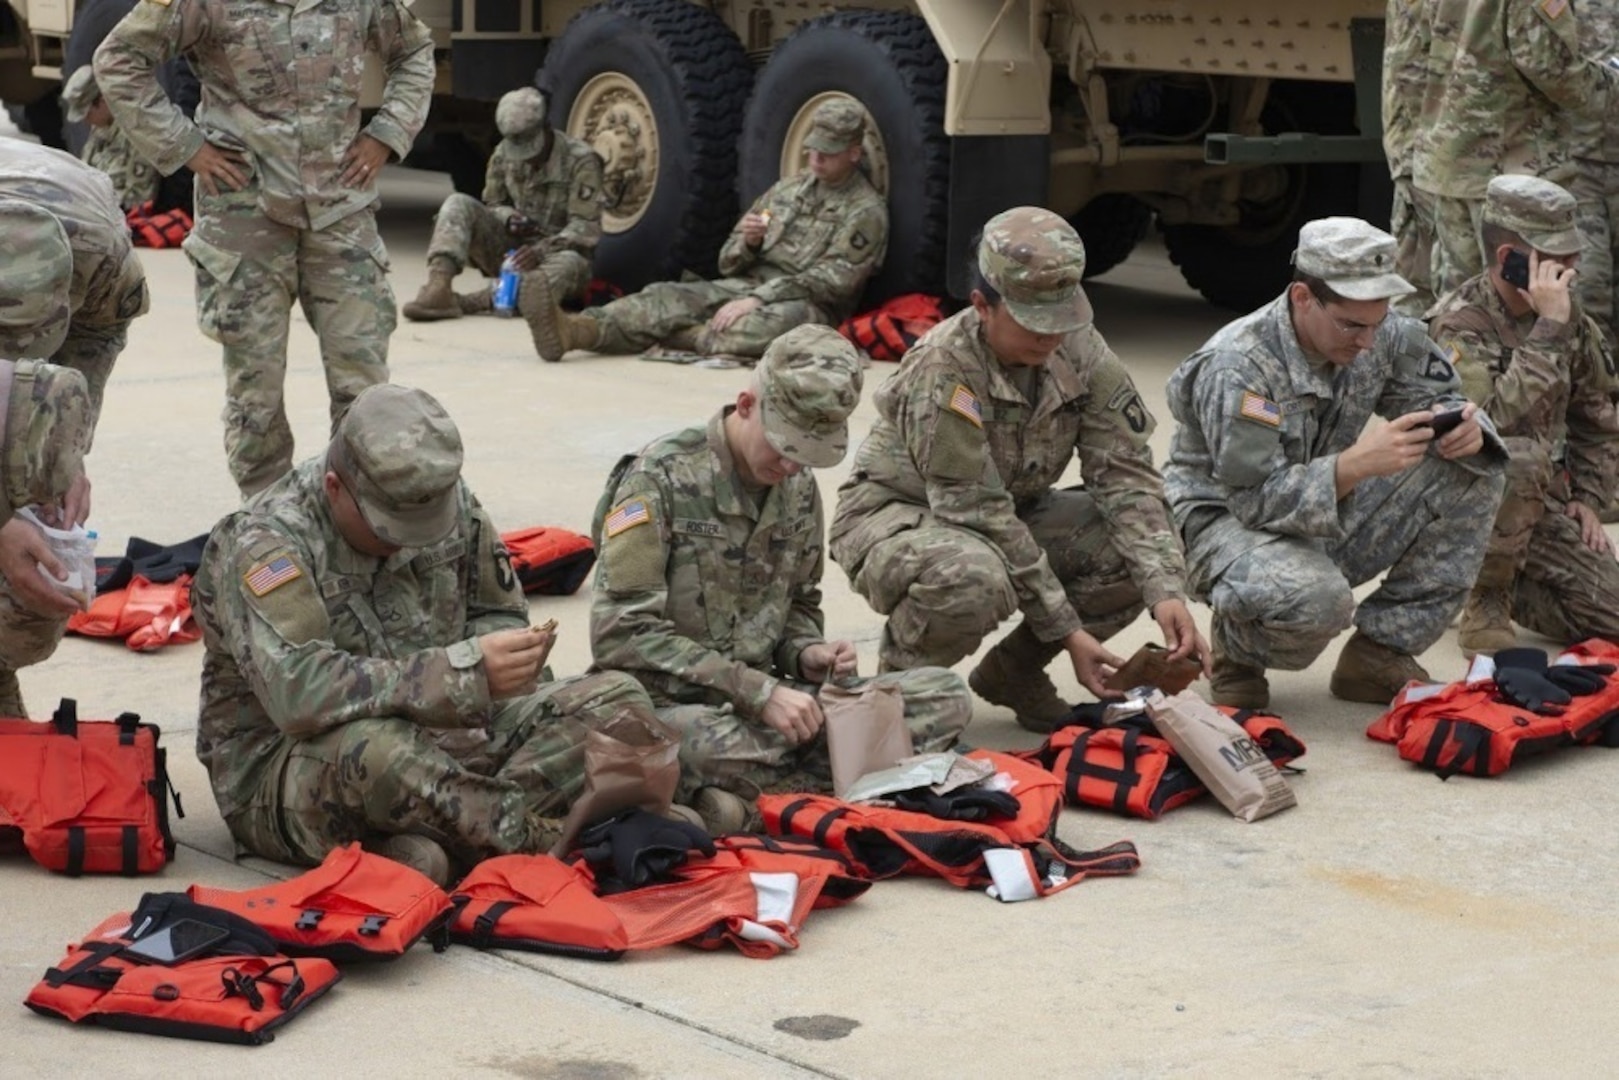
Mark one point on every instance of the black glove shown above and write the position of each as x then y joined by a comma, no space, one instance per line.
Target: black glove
635,848
1531,690
962,804
1580,679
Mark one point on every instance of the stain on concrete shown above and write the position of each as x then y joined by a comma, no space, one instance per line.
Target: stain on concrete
538,1067
822,1028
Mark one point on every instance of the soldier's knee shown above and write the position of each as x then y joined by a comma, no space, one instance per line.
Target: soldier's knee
1324,605
459,207
972,585
369,750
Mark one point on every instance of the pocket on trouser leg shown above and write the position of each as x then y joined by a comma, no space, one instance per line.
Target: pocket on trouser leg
214,267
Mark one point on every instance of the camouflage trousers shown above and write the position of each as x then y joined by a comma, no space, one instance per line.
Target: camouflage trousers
720,748
26,638
1411,220
383,776
250,270
468,233
1596,216
944,588
1457,252
1280,603
659,313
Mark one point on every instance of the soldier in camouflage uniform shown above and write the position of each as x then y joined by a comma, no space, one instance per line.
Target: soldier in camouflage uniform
709,585
286,196
107,148
45,424
1286,499
801,254
950,520
1405,82
1508,85
370,669
1542,370
541,198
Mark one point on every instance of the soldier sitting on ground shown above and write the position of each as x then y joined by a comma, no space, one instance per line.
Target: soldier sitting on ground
108,148
1532,358
950,520
541,199
801,254
709,585
370,671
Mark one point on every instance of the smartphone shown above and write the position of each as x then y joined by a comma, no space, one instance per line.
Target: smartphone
1515,269
177,942
1445,421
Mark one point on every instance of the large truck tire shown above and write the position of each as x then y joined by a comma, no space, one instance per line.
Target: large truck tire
1110,226
889,63
658,88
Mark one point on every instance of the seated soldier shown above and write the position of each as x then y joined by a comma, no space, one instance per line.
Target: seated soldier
801,254
1528,355
108,148
45,420
541,199
370,671
951,519
709,585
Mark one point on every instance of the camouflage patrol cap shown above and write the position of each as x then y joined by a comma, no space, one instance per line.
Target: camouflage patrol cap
1538,210
79,93
47,430
835,126
521,118
1035,260
1353,257
402,452
809,382
34,286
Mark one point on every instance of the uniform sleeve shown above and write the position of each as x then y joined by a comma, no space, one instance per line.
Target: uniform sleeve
495,598
736,256
495,192
279,635
1519,393
1592,455
834,280
1119,473
806,624
584,229
630,626
406,47
1242,423
126,66
1544,49
940,421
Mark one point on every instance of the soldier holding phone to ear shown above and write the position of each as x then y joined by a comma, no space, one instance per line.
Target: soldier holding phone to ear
1528,355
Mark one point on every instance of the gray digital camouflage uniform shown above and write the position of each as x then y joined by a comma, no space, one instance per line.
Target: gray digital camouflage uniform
281,85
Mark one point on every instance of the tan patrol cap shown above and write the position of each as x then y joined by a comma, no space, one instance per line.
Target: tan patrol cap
521,118
38,269
403,453
1538,210
1354,258
809,383
1036,261
835,126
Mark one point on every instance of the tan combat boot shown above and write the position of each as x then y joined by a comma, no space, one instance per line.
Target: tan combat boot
555,332
1013,675
1372,672
419,853
435,301
1486,625
725,812
1237,685
481,302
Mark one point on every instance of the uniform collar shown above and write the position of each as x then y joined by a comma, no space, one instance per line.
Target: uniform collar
1305,376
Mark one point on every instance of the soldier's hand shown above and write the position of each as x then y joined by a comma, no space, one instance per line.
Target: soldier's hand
753,228
828,659
76,504
793,713
521,227
733,311
1592,534
217,168
361,162
1385,450
1550,288
1092,663
1463,440
527,257
23,553
1181,636
512,659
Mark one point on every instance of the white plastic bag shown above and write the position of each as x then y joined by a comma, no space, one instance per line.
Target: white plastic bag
75,549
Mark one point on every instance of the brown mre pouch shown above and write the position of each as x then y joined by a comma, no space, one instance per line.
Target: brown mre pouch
1151,666
632,760
1223,756
865,731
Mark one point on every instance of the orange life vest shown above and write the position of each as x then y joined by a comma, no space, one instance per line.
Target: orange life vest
550,560
146,615
535,903
888,332
150,229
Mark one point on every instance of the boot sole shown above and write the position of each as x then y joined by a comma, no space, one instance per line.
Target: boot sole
416,314
539,310
1367,693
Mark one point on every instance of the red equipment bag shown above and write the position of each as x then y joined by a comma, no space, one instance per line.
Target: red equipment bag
153,230
550,560
353,906
86,796
888,332
535,903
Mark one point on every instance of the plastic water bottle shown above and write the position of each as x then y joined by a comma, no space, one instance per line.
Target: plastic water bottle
505,299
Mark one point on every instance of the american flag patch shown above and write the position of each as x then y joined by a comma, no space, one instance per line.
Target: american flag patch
268,577
963,403
628,516
1262,409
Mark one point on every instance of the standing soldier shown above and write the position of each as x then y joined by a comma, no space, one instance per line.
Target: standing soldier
1531,358
801,254
1405,81
286,185
950,520
541,197
709,586
1287,500
108,148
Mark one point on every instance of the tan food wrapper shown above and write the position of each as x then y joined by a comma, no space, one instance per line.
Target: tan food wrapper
632,760
1151,666
1223,756
865,731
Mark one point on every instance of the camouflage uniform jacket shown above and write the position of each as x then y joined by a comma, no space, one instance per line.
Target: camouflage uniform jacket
1594,130
704,594
303,633
1548,385
955,437
280,83
110,150
821,245
1503,71
1260,427
109,286
1405,79
561,194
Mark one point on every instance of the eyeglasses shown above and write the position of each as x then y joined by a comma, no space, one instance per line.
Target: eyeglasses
1348,327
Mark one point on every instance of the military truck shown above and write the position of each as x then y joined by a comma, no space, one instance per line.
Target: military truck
1229,122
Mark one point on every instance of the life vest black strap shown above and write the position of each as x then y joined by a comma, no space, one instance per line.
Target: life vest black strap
483,927
75,851
1124,779
132,853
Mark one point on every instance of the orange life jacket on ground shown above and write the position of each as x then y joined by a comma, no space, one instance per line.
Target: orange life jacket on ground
888,332
537,904
353,906
150,229
86,796
550,560
145,614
